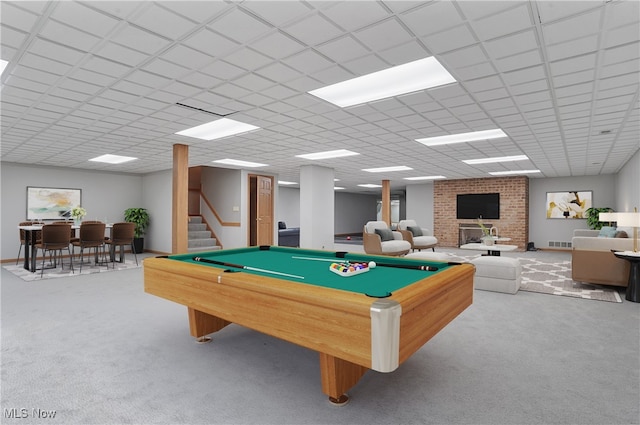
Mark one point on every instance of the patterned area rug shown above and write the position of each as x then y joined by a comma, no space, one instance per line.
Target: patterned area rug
87,268
554,278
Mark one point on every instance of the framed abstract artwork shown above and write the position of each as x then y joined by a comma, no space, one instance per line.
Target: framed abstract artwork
566,205
50,203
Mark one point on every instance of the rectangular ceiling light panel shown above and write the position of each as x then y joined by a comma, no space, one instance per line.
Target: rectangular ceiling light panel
513,172
112,159
217,129
463,137
495,159
425,178
387,169
328,154
239,163
402,79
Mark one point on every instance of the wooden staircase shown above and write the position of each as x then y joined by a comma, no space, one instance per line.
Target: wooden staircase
200,238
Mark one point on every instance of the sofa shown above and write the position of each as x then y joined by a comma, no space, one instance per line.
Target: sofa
288,237
592,260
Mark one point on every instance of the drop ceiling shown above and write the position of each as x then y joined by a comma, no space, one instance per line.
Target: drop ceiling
84,79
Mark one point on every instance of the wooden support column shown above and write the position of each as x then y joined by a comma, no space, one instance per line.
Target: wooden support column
180,204
386,201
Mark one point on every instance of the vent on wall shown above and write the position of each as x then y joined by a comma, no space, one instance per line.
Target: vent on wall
559,244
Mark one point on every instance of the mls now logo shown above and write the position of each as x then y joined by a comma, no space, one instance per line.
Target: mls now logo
16,413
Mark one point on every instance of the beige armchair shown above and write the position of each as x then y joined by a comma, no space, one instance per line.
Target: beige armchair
418,237
379,239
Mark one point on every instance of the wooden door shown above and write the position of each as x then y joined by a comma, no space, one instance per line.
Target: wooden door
264,211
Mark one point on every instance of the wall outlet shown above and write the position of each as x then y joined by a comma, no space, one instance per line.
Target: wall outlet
236,209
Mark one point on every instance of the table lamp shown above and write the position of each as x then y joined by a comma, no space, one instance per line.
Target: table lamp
608,217
630,219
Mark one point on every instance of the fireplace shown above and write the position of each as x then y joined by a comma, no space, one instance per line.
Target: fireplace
470,233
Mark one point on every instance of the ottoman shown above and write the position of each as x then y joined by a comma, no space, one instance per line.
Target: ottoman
433,256
497,274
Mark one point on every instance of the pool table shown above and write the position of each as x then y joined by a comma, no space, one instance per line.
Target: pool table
371,320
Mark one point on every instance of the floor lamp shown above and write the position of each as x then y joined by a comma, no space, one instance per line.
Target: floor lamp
630,219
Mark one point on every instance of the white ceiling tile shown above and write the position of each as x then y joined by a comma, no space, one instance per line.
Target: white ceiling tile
451,39
354,15
519,61
161,21
277,13
139,39
248,59
343,49
577,26
197,11
121,54
166,69
277,45
308,62
239,26
19,18
383,35
187,57
313,30
468,56
210,43
431,18
56,52
106,67
505,22
511,44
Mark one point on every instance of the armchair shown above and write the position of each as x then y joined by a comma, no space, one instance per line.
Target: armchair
418,237
378,238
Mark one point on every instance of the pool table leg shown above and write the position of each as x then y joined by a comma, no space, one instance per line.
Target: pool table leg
201,324
338,376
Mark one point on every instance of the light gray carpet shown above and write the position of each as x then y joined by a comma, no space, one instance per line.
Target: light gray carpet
98,350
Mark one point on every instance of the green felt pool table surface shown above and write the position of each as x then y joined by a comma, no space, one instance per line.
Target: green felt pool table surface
312,267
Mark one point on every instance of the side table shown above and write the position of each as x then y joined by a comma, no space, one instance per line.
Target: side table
633,288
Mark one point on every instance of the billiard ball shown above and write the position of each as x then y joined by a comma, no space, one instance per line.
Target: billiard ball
372,264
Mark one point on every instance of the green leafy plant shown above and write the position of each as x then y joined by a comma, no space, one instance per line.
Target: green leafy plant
592,215
140,217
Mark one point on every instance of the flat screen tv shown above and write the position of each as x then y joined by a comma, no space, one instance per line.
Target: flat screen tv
475,205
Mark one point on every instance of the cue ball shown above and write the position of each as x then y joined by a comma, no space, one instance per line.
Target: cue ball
372,264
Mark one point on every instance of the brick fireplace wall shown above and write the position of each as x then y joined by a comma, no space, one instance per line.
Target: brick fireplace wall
514,208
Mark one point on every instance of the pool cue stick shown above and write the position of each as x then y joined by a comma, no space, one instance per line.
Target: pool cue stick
398,266
240,266
333,260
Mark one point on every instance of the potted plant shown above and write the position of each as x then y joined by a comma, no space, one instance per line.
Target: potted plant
593,217
140,217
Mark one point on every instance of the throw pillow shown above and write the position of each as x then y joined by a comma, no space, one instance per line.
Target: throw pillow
621,234
415,230
607,232
281,225
385,234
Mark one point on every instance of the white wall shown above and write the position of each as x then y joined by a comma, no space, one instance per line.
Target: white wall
628,185
420,205
543,229
288,206
105,195
157,198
